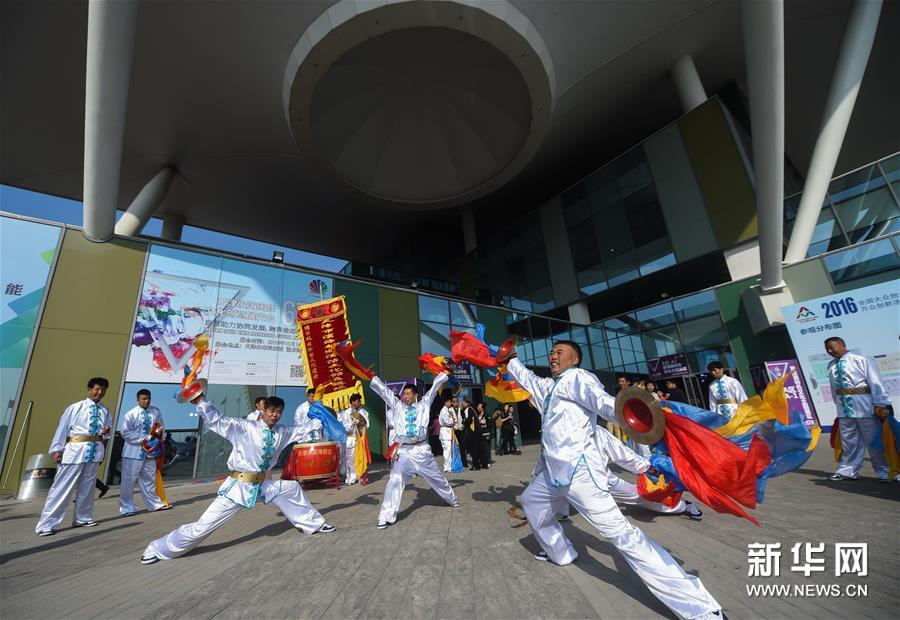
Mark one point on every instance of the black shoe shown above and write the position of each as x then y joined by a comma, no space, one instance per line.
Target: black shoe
325,529
104,489
90,523
46,533
382,526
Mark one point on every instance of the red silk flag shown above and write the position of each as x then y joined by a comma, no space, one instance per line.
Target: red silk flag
466,347
718,472
320,326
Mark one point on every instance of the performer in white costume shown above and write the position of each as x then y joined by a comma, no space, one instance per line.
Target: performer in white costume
447,420
725,393
408,421
78,449
622,491
355,420
573,469
303,409
255,449
260,404
858,391
137,463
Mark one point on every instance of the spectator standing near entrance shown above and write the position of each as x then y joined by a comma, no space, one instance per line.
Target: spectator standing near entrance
673,392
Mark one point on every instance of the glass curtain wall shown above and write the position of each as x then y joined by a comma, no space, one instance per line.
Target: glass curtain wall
615,225
859,206
691,325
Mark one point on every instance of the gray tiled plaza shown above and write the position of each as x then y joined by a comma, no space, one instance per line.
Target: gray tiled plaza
438,561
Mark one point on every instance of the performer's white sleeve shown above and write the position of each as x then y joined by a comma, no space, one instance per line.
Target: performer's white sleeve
712,398
539,387
620,454
58,443
876,387
299,432
589,393
132,430
384,392
739,389
162,424
445,418
431,394
107,421
221,425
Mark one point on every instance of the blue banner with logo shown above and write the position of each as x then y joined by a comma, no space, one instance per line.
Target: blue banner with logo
868,319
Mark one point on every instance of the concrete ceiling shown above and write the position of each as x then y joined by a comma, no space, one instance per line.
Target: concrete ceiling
206,97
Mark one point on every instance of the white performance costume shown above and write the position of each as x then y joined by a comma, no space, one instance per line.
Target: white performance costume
409,426
135,428
78,438
857,389
255,449
572,469
447,420
300,415
725,395
346,419
253,416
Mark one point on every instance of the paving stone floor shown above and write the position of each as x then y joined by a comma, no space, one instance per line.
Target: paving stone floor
442,562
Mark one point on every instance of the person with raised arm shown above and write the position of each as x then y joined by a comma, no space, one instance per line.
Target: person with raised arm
572,469
256,445
407,419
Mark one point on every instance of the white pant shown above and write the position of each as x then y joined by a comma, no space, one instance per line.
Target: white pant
541,501
342,457
292,502
856,435
625,493
350,464
145,472
79,476
413,460
446,445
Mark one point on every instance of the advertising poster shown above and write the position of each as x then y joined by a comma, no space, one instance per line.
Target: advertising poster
234,321
868,319
25,260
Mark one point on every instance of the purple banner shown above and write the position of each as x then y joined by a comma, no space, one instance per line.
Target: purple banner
463,372
668,366
794,388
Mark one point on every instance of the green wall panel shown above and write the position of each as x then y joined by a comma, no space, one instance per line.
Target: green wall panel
84,332
399,314
749,348
720,173
362,306
807,280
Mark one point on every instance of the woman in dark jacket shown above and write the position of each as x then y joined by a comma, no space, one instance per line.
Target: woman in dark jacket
480,439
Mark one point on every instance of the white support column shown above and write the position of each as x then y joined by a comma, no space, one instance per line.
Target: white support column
110,47
848,74
173,224
470,235
687,81
763,25
145,203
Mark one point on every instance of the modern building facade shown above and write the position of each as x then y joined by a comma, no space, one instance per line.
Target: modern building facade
647,179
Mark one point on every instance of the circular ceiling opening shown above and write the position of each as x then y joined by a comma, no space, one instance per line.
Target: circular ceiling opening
419,104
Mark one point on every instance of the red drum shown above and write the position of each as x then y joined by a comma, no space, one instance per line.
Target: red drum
315,462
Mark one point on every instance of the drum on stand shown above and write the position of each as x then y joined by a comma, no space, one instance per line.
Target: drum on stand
317,462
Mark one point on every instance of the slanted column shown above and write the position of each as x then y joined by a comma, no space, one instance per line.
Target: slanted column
848,75
145,203
687,81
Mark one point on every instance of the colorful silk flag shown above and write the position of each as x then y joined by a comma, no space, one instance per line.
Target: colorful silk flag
466,347
320,326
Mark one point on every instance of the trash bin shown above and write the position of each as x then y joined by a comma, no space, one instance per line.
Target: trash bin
38,476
